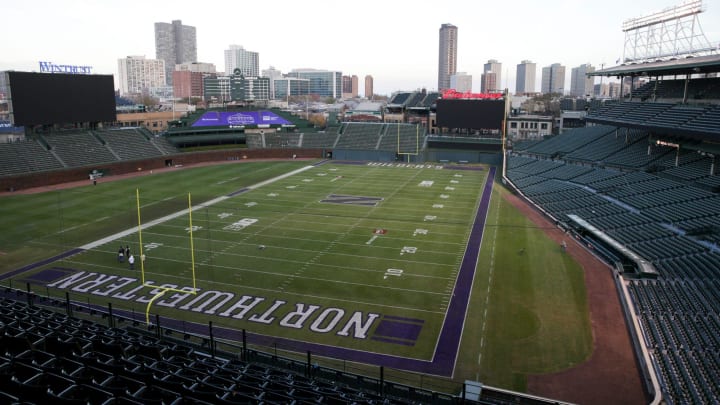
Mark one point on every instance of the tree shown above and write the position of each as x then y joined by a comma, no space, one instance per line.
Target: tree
318,120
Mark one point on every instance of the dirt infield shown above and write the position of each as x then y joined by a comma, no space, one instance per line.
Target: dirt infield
611,375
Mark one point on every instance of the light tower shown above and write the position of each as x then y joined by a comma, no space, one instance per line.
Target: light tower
669,33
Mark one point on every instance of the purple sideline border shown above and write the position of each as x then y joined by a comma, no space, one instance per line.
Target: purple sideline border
448,345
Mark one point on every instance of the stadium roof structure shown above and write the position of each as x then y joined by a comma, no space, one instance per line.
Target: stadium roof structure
685,66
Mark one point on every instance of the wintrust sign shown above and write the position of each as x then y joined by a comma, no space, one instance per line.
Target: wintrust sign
49,67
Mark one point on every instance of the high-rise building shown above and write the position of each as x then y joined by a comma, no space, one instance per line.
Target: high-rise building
175,43
273,74
493,66
188,79
290,86
350,86
581,84
346,85
324,83
447,59
187,84
369,87
488,82
137,75
553,79
355,85
461,82
247,62
4,87
525,78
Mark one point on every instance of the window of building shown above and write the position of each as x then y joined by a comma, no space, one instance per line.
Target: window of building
513,125
543,125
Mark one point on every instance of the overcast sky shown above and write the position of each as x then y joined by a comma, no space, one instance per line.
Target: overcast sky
394,41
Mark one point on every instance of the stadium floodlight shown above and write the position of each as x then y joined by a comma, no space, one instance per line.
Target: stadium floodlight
672,32
671,13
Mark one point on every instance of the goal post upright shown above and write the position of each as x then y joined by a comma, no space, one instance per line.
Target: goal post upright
162,289
142,262
192,246
417,143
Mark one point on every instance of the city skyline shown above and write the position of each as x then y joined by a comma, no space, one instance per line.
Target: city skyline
98,34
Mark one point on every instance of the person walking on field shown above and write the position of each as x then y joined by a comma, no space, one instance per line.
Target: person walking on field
131,261
121,255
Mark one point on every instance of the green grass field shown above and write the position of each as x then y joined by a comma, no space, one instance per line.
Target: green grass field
303,269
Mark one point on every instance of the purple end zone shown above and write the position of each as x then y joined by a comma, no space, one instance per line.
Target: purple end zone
399,330
403,319
40,263
448,344
394,341
47,276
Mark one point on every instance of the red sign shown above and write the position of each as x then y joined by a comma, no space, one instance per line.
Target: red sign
452,94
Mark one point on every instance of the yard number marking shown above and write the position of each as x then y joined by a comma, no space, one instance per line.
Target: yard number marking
392,272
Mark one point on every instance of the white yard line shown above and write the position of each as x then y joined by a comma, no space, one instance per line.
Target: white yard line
172,216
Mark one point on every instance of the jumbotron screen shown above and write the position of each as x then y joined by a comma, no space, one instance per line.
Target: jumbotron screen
57,98
474,114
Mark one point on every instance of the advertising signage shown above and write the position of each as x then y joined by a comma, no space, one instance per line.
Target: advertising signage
237,118
49,67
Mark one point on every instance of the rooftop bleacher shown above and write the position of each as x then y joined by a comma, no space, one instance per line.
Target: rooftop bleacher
400,98
428,100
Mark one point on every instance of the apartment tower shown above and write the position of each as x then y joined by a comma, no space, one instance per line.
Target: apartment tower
447,59
175,44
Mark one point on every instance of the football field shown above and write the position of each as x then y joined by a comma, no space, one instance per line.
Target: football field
360,258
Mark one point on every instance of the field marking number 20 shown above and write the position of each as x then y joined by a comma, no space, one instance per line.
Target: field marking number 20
393,272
